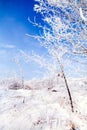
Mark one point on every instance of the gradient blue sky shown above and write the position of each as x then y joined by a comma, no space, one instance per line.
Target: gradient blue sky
13,27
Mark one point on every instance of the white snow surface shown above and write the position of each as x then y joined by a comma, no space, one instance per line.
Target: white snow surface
41,107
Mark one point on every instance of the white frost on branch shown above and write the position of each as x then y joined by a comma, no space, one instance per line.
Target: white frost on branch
81,14
49,64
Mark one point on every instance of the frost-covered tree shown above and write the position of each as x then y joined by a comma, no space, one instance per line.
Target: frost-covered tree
16,60
63,30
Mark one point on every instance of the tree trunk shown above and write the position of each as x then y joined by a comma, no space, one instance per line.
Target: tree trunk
67,87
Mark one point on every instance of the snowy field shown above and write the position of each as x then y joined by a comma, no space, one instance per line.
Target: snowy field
42,105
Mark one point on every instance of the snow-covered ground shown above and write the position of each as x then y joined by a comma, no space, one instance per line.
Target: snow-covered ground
43,105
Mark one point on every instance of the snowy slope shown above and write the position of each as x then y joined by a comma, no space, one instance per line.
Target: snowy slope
45,106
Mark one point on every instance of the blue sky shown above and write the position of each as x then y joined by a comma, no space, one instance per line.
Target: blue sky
13,27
